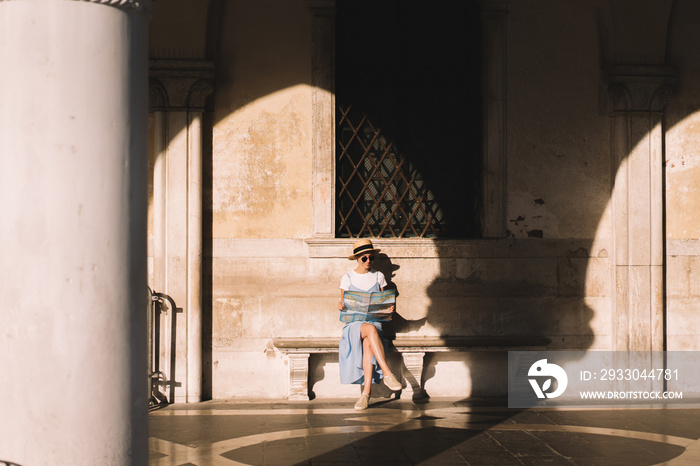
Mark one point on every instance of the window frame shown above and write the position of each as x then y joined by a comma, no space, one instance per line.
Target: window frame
323,104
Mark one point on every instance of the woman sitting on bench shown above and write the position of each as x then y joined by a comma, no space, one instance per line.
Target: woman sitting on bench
363,346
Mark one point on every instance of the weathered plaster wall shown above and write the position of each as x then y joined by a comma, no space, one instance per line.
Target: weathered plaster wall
262,133
683,176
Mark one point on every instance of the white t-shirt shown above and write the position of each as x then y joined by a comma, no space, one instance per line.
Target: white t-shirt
363,281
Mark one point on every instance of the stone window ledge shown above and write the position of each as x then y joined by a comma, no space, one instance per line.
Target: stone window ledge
453,248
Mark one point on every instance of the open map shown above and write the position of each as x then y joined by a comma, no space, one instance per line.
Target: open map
367,307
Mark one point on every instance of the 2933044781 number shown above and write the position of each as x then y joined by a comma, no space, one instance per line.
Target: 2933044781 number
636,374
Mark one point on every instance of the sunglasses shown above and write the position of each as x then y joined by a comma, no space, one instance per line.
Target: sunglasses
365,258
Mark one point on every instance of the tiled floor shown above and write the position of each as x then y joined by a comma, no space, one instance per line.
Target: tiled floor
435,432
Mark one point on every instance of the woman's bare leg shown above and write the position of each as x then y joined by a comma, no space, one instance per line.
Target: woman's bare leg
367,366
368,332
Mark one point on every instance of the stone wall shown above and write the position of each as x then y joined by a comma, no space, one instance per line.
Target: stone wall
267,276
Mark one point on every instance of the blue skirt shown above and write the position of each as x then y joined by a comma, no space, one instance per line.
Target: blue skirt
350,354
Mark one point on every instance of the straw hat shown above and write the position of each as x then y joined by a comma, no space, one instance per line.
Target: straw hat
362,247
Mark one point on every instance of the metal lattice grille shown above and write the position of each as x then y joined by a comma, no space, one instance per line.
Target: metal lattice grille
408,119
380,192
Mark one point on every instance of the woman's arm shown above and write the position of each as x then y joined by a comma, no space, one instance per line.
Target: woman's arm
341,303
392,308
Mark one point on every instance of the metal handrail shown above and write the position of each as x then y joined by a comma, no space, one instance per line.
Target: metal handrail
156,305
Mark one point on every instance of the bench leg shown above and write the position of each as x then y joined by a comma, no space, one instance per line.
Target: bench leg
413,362
298,376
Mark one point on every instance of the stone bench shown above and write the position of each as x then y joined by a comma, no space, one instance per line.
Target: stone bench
411,348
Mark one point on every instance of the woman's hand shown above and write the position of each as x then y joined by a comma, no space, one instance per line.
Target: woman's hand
341,303
391,309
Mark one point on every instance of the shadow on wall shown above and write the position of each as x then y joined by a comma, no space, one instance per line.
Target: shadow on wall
509,296
398,323
207,253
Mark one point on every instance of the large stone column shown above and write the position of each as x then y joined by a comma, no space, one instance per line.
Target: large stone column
178,90
73,106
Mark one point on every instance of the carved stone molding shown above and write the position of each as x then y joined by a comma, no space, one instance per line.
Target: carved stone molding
137,5
157,95
620,97
199,91
299,376
180,84
413,374
639,88
141,6
661,96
